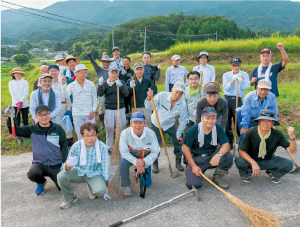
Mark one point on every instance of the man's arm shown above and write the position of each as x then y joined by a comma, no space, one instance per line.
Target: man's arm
100,89
195,169
246,156
200,107
224,114
23,131
94,63
33,105
213,76
226,82
124,89
153,87
63,144
183,118
285,58
253,77
124,151
245,83
273,104
94,97
167,80
26,92
154,151
57,108
157,74
105,162
66,90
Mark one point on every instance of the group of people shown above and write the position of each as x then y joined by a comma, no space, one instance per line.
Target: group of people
204,136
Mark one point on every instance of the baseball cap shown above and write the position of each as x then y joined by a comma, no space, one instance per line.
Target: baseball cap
80,67
115,48
59,57
209,111
45,75
203,53
265,50
137,116
235,60
265,84
39,108
53,67
175,57
113,68
212,87
179,86
268,115
138,65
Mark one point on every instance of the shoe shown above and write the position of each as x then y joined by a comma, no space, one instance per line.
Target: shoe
155,166
65,205
217,178
178,163
40,189
19,139
247,178
24,139
92,196
275,180
127,191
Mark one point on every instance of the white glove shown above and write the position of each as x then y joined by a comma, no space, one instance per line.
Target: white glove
239,75
88,49
72,161
195,113
240,79
123,72
106,196
100,81
132,83
234,77
118,82
8,111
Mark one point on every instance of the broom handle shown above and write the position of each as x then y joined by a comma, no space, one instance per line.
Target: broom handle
118,103
161,134
212,183
134,102
235,120
199,96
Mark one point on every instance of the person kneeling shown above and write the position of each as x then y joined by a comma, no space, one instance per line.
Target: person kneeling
258,147
139,147
199,147
88,162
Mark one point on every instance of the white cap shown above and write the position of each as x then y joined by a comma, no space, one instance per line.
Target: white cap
265,84
80,67
175,57
59,57
179,86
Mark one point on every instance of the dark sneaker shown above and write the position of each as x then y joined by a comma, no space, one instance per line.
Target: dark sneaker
275,180
65,205
247,178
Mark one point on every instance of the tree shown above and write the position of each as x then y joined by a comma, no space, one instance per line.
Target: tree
21,59
297,32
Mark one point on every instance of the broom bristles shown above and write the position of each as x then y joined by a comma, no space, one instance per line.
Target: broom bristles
115,156
259,218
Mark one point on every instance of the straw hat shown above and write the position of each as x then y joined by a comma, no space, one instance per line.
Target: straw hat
105,58
17,70
69,57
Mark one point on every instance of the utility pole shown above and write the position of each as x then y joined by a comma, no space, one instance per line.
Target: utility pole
145,41
216,36
112,35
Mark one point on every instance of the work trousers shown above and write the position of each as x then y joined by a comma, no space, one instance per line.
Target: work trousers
96,183
24,112
63,125
147,113
172,133
38,171
203,163
110,120
79,120
127,103
279,166
101,103
250,125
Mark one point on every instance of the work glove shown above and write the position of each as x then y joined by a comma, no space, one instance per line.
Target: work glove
8,111
240,79
195,113
118,82
106,196
100,80
123,72
72,161
68,112
132,83
88,49
19,105
234,77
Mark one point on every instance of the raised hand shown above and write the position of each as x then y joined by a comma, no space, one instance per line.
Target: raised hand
280,46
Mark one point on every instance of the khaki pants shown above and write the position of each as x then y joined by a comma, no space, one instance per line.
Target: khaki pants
147,113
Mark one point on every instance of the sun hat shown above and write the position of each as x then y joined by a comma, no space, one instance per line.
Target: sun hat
17,70
69,57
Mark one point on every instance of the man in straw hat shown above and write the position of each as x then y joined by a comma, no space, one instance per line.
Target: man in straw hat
84,98
199,147
258,147
229,85
102,71
109,89
254,102
59,60
138,147
48,96
169,105
175,73
88,162
212,99
71,63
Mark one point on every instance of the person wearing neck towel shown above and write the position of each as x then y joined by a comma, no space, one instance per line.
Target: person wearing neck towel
70,62
199,147
258,147
268,71
175,73
88,162
46,95
169,105
229,86
138,147
84,98
109,89
208,70
59,60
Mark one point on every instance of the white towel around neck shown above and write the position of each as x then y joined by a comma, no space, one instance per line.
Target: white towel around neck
201,135
267,73
83,152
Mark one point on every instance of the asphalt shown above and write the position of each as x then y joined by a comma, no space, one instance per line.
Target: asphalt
21,207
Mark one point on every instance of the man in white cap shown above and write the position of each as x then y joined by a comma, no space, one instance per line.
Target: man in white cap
84,98
169,105
175,73
208,70
254,102
59,60
118,61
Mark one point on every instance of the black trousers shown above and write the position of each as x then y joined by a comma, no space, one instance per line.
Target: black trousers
24,112
127,103
231,115
38,171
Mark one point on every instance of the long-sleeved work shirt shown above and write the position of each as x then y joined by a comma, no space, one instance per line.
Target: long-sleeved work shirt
175,74
99,70
231,90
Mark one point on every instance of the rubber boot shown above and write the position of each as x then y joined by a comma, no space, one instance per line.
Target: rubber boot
155,166
217,178
101,121
178,163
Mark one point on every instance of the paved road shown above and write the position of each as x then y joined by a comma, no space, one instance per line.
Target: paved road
21,207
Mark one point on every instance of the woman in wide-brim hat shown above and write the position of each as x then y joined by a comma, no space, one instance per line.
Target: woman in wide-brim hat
71,62
19,89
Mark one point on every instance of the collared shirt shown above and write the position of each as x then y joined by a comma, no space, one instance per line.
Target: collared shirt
84,99
175,74
252,106
231,90
166,114
34,102
92,167
191,103
148,142
117,63
208,72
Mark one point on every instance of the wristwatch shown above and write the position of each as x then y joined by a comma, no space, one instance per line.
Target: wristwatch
220,154
293,138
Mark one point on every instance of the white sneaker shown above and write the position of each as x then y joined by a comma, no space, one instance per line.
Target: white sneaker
127,191
65,205
90,193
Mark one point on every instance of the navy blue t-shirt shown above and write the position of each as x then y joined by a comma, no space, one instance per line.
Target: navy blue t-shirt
275,69
191,140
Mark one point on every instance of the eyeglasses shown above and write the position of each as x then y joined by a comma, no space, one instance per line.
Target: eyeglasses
267,114
90,136
43,115
212,96
47,81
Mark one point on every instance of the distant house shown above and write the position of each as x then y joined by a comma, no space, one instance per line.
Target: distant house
62,52
50,54
36,50
10,46
46,50
12,57
3,59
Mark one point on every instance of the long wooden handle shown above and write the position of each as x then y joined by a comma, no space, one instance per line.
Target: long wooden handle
235,120
212,183
12,122
291,157
118,103
134,101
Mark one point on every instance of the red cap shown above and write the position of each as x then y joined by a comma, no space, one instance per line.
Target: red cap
266,50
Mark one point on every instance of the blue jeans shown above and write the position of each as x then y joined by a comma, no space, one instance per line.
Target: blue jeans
250,125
